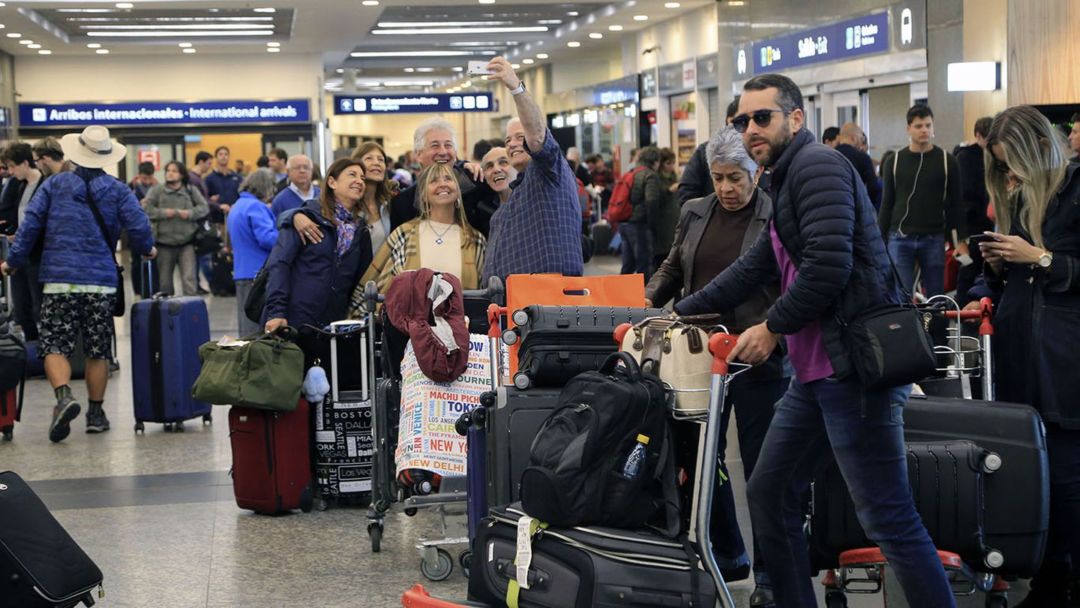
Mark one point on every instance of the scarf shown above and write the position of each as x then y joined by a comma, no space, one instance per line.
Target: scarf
346,229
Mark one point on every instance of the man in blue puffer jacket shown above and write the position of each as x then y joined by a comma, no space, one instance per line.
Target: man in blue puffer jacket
78,267
824,246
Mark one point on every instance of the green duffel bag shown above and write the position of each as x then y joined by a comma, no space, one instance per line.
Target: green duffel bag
265,372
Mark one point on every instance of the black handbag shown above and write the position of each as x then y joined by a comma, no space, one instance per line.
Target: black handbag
119,304
890,346
206,239
255,301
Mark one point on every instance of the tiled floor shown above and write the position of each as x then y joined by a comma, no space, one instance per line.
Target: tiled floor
156,512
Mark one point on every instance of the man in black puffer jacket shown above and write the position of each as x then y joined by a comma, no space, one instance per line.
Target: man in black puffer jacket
825,247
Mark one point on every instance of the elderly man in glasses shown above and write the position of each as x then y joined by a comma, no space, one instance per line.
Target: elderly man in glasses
824,246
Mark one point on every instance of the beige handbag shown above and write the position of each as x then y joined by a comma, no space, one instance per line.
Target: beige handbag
681,350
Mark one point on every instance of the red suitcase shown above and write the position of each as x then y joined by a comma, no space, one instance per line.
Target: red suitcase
271,459
10,407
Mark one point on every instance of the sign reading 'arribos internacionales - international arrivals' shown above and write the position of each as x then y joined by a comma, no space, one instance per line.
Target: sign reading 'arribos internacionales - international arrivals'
158,113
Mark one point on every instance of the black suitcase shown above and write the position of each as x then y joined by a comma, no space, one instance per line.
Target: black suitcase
560,342
509,429
40,564
601,237
221,274
947,482
1017,496
587,567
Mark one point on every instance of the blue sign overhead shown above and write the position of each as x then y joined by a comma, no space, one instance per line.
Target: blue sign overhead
843,40
159,113
420,103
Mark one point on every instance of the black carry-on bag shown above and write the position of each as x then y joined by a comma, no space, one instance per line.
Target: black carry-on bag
41,566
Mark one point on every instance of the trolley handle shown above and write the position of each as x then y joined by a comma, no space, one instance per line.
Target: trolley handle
984,314
721,345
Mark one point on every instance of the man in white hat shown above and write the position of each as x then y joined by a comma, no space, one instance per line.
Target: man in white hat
78,216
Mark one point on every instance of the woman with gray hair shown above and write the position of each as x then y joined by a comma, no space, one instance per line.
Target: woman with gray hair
252,235
713,232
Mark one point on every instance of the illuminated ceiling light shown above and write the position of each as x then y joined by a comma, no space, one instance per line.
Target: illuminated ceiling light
26,42
185,34
436,24
93,45
596,35
14,35
458,68
273,49
124,5
340,70
672,5
516,66
572,14
204,26
374,54
641,17
736,3
487,1
273,44
528,61
541,55
425,69
614,28
189,51
44,52
425,31
467,83
266,10
550,22
102,51
573,44
410,70
183,45
370,3
33,46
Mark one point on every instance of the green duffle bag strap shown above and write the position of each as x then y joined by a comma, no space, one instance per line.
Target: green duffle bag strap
527,527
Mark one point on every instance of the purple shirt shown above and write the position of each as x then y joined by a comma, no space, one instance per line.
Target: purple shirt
806,348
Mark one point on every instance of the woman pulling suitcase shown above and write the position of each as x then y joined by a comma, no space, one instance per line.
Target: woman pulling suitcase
1033,264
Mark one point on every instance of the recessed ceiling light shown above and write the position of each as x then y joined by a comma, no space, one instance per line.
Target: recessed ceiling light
425,31
373,54
541,55
425,69
487,1
33,46
370,3
340,70
266,10
436,24
183,45
596,35
672,5
516,66
410,70
189,51
124,5
273,49
614,28
641,17
467,83
102,51
458,68
14,35
175,34
26,42
93,45
736,3
573,44
44,52
550,22
528,61
572,14
273,44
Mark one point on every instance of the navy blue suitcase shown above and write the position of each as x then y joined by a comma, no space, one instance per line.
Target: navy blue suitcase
165,337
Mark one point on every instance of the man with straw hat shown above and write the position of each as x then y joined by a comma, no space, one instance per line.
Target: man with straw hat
78,216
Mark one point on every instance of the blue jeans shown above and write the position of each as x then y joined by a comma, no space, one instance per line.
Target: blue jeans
636,249
926,250
865,431
206,269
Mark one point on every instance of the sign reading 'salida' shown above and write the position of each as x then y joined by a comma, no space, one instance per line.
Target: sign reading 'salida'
159,113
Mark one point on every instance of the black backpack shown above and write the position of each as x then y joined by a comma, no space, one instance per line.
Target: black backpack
578,456
12,356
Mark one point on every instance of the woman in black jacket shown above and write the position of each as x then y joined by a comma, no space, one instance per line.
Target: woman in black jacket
1034,263
309,285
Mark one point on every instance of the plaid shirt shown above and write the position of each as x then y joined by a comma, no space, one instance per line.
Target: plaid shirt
539,228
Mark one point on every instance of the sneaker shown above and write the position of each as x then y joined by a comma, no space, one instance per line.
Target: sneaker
96,422
66,411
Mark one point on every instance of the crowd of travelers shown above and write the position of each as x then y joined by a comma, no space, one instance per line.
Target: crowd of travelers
783,236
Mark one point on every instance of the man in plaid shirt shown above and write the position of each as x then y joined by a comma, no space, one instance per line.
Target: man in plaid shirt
539,228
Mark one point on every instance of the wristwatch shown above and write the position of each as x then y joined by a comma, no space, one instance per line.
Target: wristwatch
518,90
1045,259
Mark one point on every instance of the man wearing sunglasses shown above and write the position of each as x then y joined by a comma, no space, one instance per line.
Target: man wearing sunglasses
824,246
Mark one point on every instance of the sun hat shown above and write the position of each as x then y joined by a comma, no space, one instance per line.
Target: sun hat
93,148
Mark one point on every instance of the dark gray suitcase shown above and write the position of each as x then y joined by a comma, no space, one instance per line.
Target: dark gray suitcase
588,567
509,430
41,566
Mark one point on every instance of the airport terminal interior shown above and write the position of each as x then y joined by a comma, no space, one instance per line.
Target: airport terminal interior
270,80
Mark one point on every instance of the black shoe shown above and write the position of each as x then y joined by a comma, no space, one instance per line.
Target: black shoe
1049,587
66,411
96,422
762,597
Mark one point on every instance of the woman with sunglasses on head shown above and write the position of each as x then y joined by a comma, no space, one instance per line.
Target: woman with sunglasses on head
1033,262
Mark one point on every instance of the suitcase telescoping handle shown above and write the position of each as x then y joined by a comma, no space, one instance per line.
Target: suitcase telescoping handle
720,345
341,327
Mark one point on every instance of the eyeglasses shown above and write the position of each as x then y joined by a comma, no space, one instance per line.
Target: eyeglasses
761,118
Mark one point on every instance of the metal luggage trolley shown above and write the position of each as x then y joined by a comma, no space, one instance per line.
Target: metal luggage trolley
436,564
862,571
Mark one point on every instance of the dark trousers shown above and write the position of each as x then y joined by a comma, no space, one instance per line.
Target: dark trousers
864,430
636,249
1063,449
966,277
26,299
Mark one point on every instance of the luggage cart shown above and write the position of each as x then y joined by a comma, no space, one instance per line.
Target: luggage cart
436,564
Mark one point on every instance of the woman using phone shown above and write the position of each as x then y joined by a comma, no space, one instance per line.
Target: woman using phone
1033,262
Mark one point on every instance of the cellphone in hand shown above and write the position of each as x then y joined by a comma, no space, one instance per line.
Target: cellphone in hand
477,68
976,239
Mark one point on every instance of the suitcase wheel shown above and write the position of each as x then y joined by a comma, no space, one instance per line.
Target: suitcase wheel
465,560
520,317
320,504
375,531
438,569
835,599
208,419
140,428
522,381
174,427
8,432
307,500
411,511
510,337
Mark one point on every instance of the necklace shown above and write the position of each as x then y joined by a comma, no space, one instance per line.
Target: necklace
439,236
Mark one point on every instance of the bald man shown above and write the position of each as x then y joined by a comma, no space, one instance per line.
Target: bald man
300,189
848,142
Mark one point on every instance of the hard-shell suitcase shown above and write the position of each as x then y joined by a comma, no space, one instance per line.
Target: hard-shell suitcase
40,564
947,482
271,459
165,337
10,410
509,431
560,342
588,567
1017,496
601,236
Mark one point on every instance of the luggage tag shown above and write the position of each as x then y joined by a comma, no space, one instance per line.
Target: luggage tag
526,528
